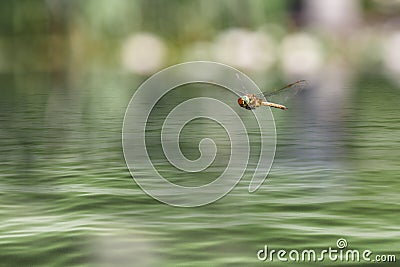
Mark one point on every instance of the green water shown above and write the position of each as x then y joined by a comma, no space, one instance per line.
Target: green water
68,199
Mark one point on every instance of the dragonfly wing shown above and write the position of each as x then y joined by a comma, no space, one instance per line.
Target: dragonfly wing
248,86
283,94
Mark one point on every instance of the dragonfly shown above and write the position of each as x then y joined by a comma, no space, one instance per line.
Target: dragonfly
253,101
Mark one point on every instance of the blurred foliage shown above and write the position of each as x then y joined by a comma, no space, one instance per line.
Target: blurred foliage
170,19
57,36
74,36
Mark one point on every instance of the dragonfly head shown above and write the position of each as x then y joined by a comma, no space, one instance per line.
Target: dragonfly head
244,101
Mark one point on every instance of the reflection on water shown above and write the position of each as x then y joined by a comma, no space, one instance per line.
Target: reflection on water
67,197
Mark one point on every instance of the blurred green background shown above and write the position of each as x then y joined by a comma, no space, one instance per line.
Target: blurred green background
69,68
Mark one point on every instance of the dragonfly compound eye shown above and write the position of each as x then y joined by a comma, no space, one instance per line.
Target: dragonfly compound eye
246,99
242,102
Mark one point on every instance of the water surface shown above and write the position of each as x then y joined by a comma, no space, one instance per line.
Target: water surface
67,197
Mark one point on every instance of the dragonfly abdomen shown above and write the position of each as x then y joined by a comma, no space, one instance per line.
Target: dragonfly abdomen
274,105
